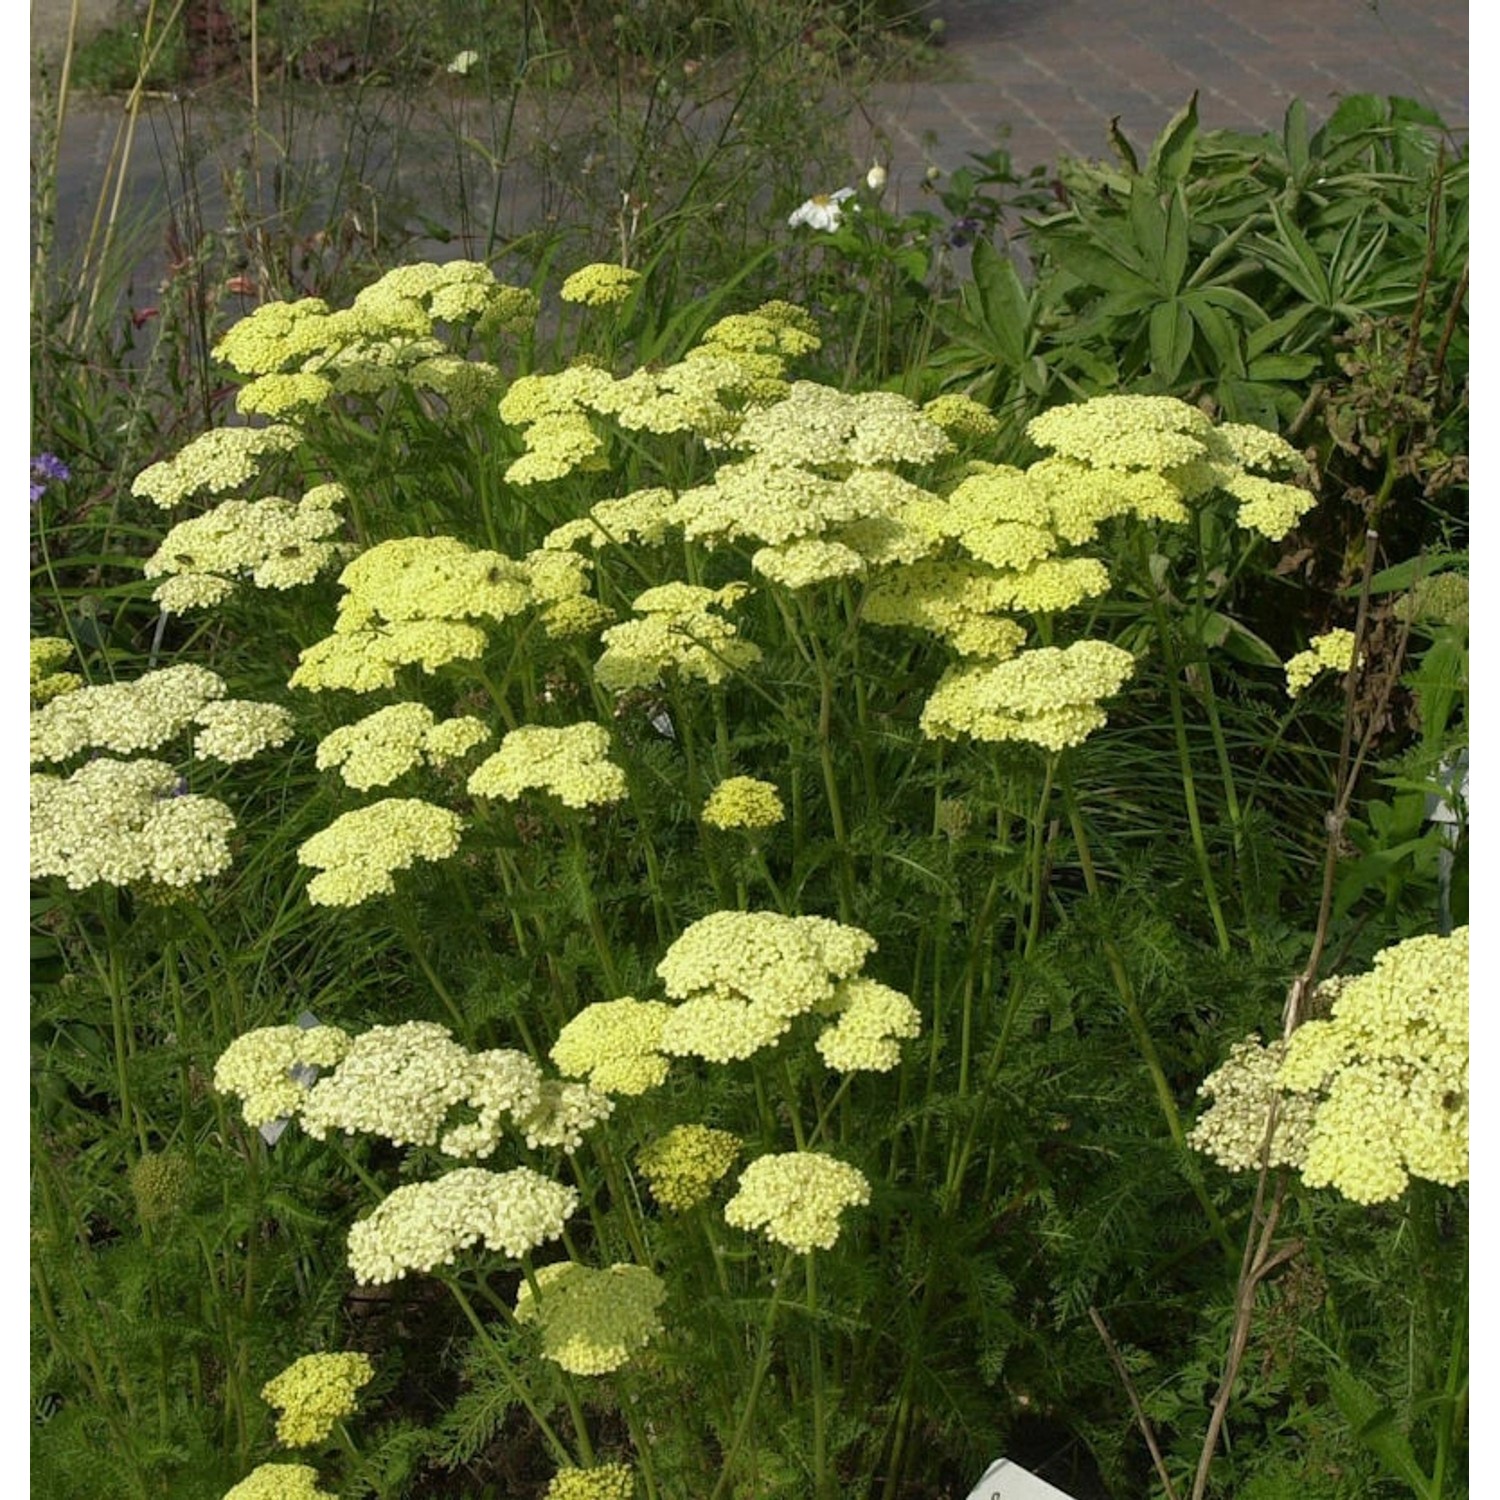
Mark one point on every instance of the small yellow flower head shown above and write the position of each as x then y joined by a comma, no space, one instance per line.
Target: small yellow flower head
592,1322
816,426
1332,652
958,601
962,418
1258,448
280,1482
564,1113
555,446
1233,1128
232,730
383,745
807,561
694,395
675,631
795,1198
126,823
223,459
398,1082
47,652
1080,496
427,1224
365,660
1269,506
279,395
314,1393
273,336
467,385
603,1482
599,285
1392,1067
1125,432
1047,697
572,763
161,1183
358,852
435,578
683,1166
123,716
503,1086
268,1069
744,802
564,393
872,1020
579,615
614,1044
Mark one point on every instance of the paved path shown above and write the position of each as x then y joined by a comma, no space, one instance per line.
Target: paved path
1051,73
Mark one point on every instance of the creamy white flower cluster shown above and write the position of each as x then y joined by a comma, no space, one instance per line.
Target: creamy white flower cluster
572,763
676,631
267,1069
795,1198
384,745
358,854
592,1322
615,1044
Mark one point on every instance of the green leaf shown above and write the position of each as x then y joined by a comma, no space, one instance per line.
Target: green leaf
1400,576
1114,268
1297,262
1171,335
1237,640
1282,366
1175,248
1172,153
1122,148
1374,1425
1294,139
1220,335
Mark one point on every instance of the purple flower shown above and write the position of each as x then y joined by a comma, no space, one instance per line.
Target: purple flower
46,467
962,231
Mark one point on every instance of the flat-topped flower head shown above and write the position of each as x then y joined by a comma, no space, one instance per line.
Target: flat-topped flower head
1330,652
1232,1129
382,746
676,631
796,1198
435,578
872,1021
615,1045
1391,1065
683,1166
959,601
366,658
315,1392
564,1112
48,652
423,1225
818,426
572,763
280,1482
268,1069
359,851
602,1482
215,462
1125,432
744,802
232,730
126,823
962,418
592,1322
599,285
123,716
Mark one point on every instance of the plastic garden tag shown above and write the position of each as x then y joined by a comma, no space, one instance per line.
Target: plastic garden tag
304,1073
1004,1480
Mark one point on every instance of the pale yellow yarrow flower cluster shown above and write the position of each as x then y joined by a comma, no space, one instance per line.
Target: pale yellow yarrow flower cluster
744,802
872,1021
761,342
48,652
423,1225
957,601
592,1322
962,418
1047,697
123,716
1330,652
1391,1066
676,631
313,1393
683,1166
643,516
275,543
377,749
269,1069
126,823
359,852
599,285
232,730
795,1198
280,1482
1437,599
602,1482
1232,1130
816,426
567,1110
215,462
743,977
615,1044
572,763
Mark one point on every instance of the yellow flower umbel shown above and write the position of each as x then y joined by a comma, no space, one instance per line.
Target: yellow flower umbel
223,459
615,1045
602,1482
47,652
743,977
676,632
873,1018
267,1069
358,852
744,802
382,746
599,285
1392,1068
683,1166
232,730
126,823
280,1482
314,1393
592,1322
795,1198
1332,652
123,716
427,1224
571,763
1233,1129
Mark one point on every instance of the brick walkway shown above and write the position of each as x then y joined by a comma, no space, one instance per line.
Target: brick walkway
1056,71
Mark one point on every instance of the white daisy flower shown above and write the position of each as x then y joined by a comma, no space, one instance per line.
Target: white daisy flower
821,211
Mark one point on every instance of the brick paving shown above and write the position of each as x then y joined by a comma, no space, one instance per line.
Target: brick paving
1054,72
